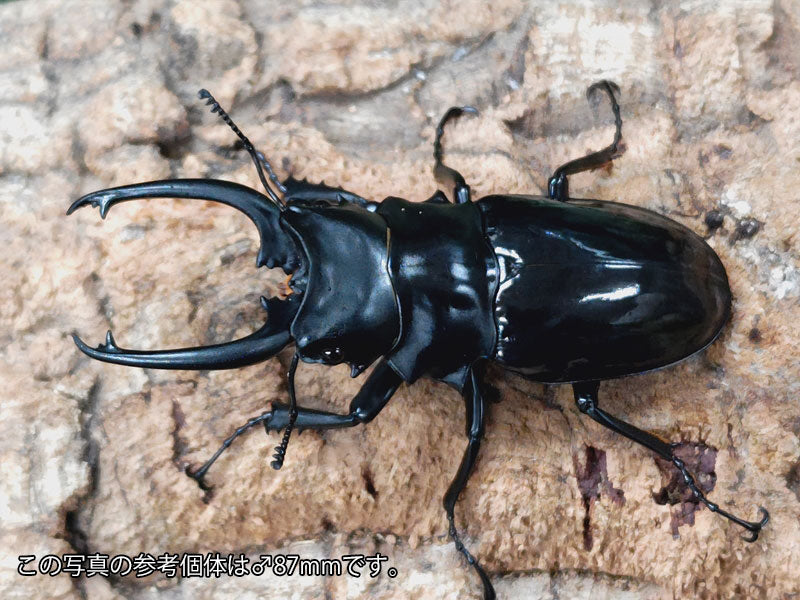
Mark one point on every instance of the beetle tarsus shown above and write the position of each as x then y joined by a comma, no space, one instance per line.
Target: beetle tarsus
280,450
272,176
488,588
201,472
558,184
443,174
754,527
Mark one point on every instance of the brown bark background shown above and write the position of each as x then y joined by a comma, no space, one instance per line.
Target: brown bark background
96,93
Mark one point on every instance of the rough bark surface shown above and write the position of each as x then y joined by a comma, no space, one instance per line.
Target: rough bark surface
96,93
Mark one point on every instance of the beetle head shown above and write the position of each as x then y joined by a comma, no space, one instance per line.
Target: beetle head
349,311
343,307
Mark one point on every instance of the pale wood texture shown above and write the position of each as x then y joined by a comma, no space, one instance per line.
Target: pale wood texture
97,93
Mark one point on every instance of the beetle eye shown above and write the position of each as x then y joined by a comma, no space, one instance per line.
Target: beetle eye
332,356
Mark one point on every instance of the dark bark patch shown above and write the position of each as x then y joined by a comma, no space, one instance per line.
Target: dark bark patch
793,479
700,460
369,482
592,482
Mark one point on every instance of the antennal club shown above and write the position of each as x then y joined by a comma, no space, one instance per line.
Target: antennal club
258,158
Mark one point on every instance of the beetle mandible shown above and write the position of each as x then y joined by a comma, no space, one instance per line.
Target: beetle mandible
557,289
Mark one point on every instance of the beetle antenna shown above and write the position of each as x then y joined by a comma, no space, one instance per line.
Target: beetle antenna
280,450
258,158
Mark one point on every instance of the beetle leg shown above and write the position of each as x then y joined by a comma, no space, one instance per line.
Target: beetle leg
441,172
586,398
476,408
376,392
201,472
558,186
365,406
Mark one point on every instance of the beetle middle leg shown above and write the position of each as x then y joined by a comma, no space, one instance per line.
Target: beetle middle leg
443,174
558,186
476,409
376,392
586,399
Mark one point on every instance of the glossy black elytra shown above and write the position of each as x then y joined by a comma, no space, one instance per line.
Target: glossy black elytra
557,289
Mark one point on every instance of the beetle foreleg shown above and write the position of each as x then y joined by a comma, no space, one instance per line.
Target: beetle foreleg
558,186
476,407
201,472
441,172
586,398
365,406
376,392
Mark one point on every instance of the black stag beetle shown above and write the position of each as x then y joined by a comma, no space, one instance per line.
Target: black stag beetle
557,289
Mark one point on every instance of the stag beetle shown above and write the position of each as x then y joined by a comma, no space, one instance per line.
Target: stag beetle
557,289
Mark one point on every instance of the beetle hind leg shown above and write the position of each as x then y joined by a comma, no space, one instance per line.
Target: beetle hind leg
586,399
443,174
558,186
476,408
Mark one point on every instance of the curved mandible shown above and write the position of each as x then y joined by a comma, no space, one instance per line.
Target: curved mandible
260,209
256,347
